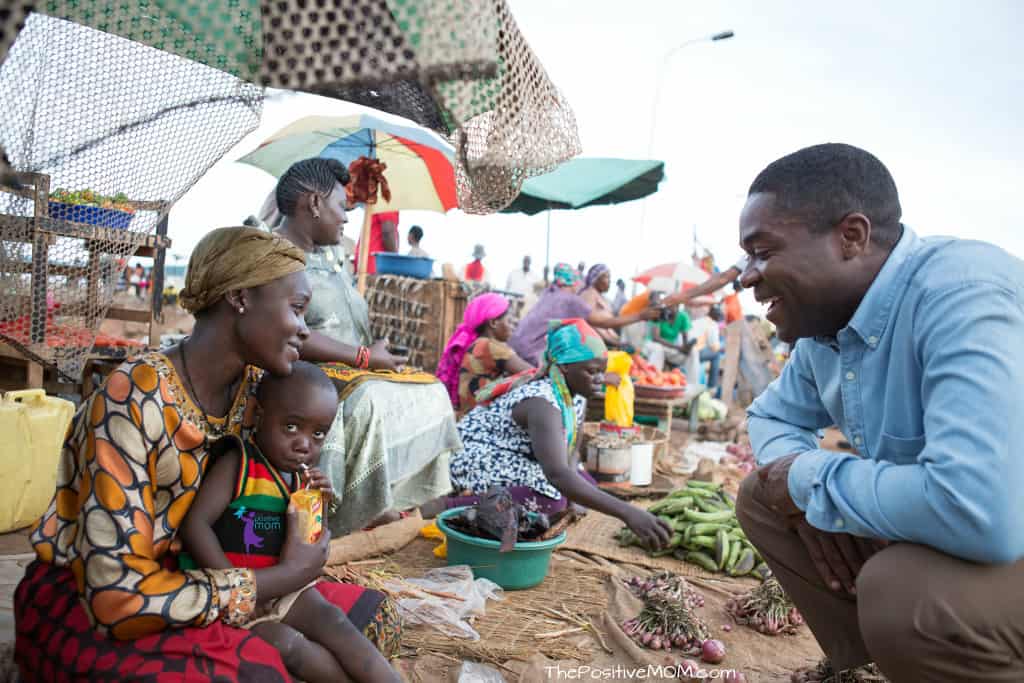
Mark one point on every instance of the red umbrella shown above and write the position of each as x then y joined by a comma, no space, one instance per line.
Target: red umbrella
681,272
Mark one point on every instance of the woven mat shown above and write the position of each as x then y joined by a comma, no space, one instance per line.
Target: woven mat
595,535
508,629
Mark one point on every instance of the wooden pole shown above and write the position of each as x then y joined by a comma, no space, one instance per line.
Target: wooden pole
364,249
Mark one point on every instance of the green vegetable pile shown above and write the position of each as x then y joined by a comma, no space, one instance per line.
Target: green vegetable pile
706,532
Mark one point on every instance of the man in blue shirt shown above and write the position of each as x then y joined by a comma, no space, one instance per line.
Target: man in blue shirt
907,554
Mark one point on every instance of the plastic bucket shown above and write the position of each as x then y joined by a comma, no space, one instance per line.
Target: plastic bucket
389,263
524,566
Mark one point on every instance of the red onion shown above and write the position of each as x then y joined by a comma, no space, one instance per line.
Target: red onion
727,627
712,651
647,637
656,643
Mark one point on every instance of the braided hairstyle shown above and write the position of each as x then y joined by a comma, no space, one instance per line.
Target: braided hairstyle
309,175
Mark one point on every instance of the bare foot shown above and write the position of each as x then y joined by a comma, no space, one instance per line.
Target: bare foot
432,508
383,518
823,672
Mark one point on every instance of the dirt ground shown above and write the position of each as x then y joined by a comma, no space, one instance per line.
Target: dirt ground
760,658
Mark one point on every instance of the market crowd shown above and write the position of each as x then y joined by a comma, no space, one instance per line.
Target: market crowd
148,563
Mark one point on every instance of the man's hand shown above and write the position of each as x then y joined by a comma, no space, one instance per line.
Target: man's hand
611,379
773,491
838,557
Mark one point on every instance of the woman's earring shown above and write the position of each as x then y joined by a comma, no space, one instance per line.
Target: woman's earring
241,310
316,215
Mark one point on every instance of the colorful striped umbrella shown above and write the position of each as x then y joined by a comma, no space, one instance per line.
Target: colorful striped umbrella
419,164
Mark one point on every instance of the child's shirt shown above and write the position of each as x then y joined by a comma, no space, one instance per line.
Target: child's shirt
251,530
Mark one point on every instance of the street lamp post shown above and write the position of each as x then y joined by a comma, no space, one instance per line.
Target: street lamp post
660,83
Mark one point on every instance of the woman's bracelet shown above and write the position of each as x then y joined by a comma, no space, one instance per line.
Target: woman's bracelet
363,358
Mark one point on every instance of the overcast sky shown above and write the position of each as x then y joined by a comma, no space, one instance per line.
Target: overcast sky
934,89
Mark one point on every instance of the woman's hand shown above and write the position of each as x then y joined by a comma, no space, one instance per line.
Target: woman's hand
611,379
304,560
381,358
316,479
654,532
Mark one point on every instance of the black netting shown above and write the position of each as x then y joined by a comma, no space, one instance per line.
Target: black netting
110,133
125,103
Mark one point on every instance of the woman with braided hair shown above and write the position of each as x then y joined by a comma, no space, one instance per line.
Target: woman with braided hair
389,447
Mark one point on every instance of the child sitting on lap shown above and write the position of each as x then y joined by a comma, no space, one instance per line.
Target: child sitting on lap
241,518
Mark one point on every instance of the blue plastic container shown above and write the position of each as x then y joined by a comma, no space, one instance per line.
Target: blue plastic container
90,215
389,263
524,566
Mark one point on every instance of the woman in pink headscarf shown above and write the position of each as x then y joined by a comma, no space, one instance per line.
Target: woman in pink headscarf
477,353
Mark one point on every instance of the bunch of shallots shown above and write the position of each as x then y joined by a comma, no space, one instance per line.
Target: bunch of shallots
767,609
668,620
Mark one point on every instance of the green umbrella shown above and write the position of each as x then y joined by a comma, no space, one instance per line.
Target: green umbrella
587,181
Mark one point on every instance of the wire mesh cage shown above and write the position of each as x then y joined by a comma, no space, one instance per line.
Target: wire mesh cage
107,133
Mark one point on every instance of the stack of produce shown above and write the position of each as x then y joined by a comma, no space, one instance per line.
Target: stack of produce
766,609
706,532
667,619
740,456
646,375
87,197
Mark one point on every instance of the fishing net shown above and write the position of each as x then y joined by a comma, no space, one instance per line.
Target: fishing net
124,129
457,66
133,100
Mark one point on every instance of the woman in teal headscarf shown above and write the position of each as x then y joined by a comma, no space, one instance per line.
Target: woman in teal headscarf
523,434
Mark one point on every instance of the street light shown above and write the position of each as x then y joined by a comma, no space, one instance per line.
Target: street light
662,68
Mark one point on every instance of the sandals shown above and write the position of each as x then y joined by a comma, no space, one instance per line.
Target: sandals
823,672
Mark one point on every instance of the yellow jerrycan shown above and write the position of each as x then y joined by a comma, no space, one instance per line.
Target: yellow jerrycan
32,430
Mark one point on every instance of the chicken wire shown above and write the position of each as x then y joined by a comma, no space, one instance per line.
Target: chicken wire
87,110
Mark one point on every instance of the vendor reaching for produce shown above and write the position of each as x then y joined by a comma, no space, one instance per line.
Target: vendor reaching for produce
523,435
908,553
560,301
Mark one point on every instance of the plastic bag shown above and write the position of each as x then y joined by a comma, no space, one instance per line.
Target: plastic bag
454,595
471,672
618,401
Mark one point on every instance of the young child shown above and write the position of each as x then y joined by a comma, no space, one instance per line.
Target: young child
239,518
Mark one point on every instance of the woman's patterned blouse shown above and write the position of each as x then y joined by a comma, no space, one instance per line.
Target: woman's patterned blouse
129,471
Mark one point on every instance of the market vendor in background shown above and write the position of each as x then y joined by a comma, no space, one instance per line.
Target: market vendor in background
105,585
595,285
560,301
414,238
383,237
477,353
669,343
909,553
389,446
524,435
475,270
705,334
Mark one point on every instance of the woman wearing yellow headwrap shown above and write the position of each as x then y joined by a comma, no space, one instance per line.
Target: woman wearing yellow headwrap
105,584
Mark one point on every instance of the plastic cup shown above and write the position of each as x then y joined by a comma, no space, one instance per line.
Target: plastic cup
642,469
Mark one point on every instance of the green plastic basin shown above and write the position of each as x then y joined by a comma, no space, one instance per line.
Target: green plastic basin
524,566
